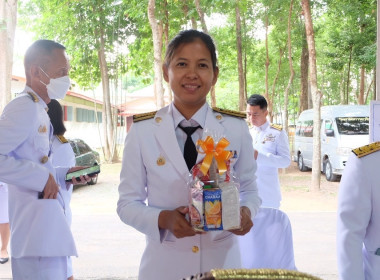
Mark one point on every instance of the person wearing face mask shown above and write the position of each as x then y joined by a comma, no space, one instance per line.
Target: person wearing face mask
41,238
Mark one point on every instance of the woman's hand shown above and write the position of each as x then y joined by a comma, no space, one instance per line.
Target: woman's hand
176,223
245,222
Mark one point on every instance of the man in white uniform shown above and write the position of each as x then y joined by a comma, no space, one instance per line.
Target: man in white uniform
358,223
271,151
41,239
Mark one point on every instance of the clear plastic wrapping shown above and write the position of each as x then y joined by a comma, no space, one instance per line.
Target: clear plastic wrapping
213,189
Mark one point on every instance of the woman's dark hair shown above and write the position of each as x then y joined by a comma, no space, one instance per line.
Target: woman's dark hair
189,36
56,117
257,100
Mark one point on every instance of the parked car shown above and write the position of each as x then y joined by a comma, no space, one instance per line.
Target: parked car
85,156
343,128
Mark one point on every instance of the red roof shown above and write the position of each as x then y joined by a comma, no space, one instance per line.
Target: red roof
140,105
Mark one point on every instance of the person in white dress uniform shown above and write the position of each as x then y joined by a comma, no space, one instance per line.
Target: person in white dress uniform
153,191
25,165
4,223
62,155
358,220
271,146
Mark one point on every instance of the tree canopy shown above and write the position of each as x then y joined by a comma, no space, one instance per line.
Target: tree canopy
345,36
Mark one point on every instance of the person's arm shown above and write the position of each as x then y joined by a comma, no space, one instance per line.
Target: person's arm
131,206
281,159
354,213
16,123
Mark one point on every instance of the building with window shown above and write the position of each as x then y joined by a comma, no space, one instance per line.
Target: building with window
82,114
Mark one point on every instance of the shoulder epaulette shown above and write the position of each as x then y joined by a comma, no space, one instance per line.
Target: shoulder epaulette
144,116
367,149
62,139
230,112
33,96
276,126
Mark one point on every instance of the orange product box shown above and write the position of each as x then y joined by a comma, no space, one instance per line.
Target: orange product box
212,199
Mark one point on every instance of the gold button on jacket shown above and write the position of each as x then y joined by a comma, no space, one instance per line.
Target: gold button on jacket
195,249
44,159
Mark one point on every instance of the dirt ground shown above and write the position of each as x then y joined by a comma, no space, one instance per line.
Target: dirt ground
297,195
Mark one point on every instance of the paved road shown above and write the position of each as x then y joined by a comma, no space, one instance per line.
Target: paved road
110,250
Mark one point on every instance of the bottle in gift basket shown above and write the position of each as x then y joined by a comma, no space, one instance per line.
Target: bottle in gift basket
196,206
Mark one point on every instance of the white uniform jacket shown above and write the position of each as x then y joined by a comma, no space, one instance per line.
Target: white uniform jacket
24,164
358,225
164,186
273,152
62,155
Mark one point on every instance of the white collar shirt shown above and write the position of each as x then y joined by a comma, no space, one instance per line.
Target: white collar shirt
257,130
199,118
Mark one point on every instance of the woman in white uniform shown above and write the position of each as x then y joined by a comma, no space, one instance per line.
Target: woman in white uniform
154,169
62,155
4,223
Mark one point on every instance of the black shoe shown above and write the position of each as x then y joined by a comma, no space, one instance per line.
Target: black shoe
3,260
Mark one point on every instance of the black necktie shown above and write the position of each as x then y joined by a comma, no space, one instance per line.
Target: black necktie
189,152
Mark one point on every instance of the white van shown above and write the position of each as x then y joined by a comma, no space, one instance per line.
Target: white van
343,127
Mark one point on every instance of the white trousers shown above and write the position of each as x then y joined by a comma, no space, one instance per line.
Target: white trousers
39,268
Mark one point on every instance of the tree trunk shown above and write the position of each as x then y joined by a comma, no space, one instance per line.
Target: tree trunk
270,100
166,39
242,104
166,23
201,15
185,9
8,20
348,78
205,30
157,30
304,77
245,59
317,96
374,84
290,82
368,91
108,117
362,86
342,89
267,62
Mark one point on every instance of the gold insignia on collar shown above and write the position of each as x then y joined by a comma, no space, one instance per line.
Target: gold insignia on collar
158,119
367,149
33,96
230,112
161,161
144,116
62,139
42,129
276,126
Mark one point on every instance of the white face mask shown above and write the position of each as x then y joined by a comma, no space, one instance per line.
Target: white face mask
57,88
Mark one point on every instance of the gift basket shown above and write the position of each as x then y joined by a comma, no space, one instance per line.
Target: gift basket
213,188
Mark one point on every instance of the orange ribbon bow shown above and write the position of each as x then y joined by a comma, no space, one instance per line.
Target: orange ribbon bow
218,152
